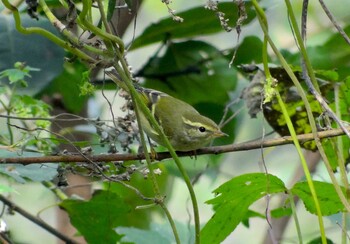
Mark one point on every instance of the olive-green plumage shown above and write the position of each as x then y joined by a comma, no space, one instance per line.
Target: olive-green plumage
185,128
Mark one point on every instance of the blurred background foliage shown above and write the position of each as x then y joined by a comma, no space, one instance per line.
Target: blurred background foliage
188,60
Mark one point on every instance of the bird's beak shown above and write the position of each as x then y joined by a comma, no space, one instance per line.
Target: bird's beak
219,133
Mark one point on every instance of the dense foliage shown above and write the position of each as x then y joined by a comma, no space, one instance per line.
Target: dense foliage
61,117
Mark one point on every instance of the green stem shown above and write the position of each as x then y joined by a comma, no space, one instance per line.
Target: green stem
51,186
172,152
7,109
304,164
171,221
136,100
9,128
344,236
103,16
97,31
158,199
295,217
311,74
301,45
263,24
40,31
312,122
340,146
68,34
341,163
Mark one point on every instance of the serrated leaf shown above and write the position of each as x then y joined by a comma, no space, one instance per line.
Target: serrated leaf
197,21
139,236
233,200
96,219
326,195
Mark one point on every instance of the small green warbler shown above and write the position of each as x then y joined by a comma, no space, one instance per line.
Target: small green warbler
183,125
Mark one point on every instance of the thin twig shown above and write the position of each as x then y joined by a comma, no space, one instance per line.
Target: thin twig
35,220
334,22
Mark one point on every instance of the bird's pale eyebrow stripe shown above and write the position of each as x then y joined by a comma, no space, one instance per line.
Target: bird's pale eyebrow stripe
196,124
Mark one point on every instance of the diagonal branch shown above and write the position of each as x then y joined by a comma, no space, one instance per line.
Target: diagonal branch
35,220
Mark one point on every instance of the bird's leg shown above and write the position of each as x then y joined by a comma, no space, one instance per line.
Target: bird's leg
153,152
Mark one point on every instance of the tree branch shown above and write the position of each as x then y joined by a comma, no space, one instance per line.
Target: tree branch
256,144
35,220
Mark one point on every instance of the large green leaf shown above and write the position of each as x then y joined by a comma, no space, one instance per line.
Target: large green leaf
233,200
36,51
193,71
139,218
197,22
97,218
326,195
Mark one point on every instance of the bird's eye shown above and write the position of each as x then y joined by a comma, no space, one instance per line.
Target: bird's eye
202,129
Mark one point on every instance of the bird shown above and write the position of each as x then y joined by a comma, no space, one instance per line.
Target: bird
185,128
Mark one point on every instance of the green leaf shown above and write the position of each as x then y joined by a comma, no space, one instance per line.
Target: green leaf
139,218
190,71
198,21
139,236
233,200
70,84
331,148
331,145
251,214
29,107
96,219
111,9
17,75
333,54
34,172
42,54
244,53
157,233
326,195
318,240
281,212
14,75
